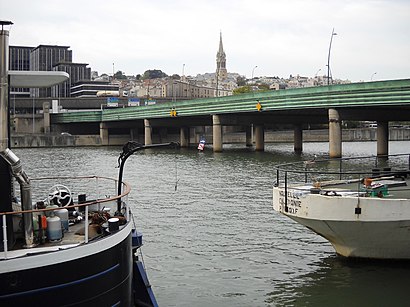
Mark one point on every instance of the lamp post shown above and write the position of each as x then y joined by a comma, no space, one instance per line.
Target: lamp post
328,56
371,78
253,70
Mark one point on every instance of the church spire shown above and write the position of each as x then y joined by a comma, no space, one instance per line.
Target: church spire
221,61
221,48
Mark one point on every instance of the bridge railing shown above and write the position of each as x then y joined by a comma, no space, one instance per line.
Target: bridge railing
381,93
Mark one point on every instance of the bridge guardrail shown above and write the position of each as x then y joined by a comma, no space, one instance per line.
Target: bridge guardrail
381,93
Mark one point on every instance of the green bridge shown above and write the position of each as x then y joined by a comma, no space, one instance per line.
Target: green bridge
381,101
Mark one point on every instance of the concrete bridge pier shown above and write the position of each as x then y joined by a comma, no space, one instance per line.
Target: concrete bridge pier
104,136
248,130
147,132
46,119
259,134
335,134
184,136
217,133
298,138
382,138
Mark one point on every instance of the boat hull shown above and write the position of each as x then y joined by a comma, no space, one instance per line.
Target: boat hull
357,239
379,229
100,278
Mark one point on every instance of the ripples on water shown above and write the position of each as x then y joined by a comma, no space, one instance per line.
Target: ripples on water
215,239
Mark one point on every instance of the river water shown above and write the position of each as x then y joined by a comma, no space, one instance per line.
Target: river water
211,237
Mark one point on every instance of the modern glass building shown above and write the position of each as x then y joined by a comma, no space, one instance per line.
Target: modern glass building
44,58
19,59
77,71
91,88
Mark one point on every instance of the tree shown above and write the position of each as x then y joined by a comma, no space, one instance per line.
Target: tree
241,81
119,75
242,90
154,74
263,87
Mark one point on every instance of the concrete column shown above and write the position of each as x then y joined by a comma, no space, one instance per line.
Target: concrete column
148,132
217,133
259,135
382,138
46,117
298,138
249,136
335,134
104,136
184,136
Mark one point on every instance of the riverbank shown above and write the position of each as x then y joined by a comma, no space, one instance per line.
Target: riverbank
66,140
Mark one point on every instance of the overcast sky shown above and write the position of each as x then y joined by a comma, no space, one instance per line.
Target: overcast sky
279,37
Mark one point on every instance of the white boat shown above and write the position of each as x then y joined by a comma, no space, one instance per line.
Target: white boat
361,205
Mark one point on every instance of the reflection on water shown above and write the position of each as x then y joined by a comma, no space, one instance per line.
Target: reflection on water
339,282
211,237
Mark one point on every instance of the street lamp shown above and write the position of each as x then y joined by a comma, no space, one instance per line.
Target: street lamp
253,70
371,78
317,72
328,56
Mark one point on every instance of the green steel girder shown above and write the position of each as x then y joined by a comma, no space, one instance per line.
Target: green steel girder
370,94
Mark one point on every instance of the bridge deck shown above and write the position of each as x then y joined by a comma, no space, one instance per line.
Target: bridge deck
392,93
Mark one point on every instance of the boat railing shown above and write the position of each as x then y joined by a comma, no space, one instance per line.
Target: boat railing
100,187
346,170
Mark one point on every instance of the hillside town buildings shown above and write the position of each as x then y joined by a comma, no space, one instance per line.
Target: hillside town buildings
86,83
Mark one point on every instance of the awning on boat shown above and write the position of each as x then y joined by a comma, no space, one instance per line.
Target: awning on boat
24,78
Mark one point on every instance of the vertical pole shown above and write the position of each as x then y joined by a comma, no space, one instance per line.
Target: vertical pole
217,133
4,235
335,134
286,191
34,111
97,188
259,137
382,138
148,132
298,138
6,190
86,225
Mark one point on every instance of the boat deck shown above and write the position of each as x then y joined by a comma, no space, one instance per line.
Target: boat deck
74,236
388,187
